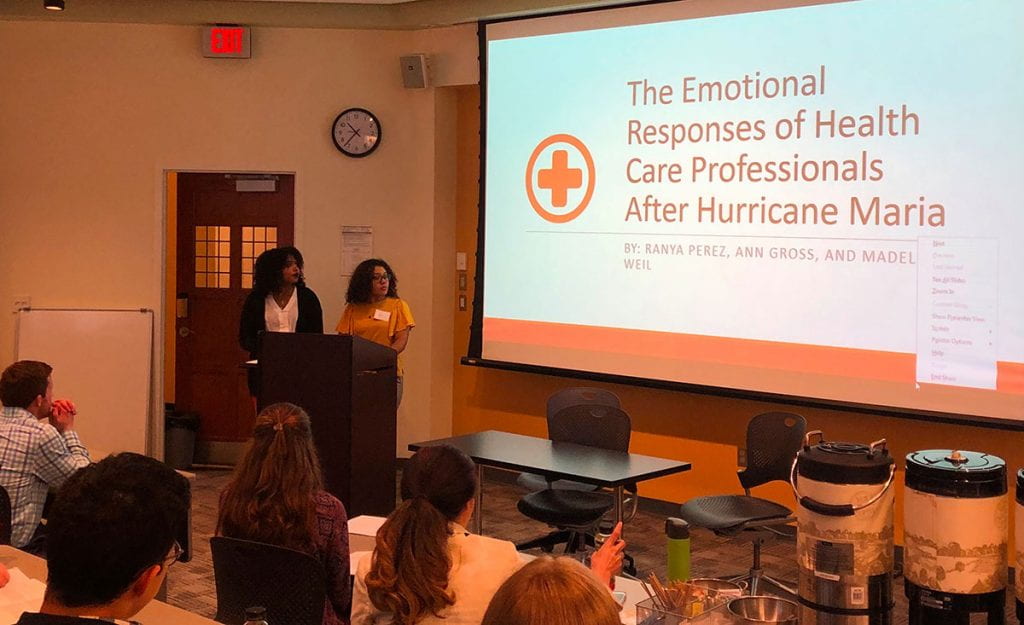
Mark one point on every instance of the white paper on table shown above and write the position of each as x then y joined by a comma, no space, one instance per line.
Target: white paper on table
365,525
21,594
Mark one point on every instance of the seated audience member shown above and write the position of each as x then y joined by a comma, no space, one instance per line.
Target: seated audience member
277,497
426,568
552,591
38,446
111,537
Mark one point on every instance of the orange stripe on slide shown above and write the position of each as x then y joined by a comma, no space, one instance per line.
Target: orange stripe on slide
1010,377
839,361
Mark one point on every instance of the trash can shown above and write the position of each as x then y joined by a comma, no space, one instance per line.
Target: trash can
180,438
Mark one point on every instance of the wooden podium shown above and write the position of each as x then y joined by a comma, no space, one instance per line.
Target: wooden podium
347,385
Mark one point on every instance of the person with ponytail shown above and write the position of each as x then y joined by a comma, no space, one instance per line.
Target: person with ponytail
426,568
276,496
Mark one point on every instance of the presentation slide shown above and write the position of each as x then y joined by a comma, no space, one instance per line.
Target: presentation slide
820,201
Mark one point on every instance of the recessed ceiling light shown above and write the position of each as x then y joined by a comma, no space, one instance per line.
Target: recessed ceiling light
53,5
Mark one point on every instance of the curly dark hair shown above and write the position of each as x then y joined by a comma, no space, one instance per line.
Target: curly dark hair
360,286
266,275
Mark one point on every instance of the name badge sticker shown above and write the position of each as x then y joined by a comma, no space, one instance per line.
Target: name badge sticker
381,315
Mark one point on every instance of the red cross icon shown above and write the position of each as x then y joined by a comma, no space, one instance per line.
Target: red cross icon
560,178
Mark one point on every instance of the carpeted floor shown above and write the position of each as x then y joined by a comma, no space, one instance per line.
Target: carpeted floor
191,585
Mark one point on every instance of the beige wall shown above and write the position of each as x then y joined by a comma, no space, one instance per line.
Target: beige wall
92,115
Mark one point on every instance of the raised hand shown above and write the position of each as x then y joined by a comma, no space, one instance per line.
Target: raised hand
607,561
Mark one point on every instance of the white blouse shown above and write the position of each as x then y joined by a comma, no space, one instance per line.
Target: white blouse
479,566
281,319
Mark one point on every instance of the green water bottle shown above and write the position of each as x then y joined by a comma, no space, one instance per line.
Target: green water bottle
678,533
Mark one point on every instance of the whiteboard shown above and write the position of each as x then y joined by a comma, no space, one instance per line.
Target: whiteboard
102,360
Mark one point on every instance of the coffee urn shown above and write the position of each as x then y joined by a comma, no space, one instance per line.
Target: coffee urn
955,532
844,535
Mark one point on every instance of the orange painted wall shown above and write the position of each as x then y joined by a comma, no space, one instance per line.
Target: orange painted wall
704,429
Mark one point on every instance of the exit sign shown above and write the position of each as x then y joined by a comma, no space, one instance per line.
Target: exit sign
230,42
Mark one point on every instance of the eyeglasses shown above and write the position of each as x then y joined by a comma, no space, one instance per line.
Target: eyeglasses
175,555
381,277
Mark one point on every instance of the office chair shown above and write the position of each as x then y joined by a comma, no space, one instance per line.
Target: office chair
288,583
773,440
577,513
571,396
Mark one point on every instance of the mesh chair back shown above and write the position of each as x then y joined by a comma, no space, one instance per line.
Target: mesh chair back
607,427
6,522
773,440
581,396
288,583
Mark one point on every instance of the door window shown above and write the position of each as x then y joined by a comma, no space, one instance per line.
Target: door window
255,241
213,257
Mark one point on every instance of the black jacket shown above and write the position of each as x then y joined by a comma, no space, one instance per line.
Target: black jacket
253,321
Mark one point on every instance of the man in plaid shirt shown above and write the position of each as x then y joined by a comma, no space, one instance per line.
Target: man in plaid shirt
38,448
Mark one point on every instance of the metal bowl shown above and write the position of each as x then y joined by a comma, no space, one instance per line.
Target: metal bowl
764,609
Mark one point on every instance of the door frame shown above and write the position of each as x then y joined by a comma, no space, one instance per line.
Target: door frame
155,446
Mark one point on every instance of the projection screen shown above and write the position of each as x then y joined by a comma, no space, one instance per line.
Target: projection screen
820,201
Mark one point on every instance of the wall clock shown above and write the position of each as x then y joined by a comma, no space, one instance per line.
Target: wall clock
356,132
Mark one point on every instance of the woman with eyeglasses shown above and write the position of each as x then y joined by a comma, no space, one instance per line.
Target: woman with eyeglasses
374,311
276,496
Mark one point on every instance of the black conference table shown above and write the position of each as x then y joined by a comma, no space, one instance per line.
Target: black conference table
581,463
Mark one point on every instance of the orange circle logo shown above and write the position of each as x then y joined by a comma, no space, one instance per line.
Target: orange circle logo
559,178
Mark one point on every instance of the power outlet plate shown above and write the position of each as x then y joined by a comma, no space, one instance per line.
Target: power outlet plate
741,456
22,301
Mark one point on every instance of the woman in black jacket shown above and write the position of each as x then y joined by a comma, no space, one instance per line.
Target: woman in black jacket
279,302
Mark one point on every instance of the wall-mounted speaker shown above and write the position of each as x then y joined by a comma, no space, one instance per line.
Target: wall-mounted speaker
415,71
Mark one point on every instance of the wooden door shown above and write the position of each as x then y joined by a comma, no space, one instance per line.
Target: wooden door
221,231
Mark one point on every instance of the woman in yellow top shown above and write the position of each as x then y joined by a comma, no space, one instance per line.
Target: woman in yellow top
374,311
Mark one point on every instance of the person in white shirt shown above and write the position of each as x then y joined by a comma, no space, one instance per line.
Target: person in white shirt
427,569
280,301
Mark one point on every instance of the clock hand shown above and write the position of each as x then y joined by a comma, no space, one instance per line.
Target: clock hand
353,128
349,139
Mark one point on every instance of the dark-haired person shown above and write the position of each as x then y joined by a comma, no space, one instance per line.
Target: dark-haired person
111,537
280,301
276,496
39,448
374,311
426,569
